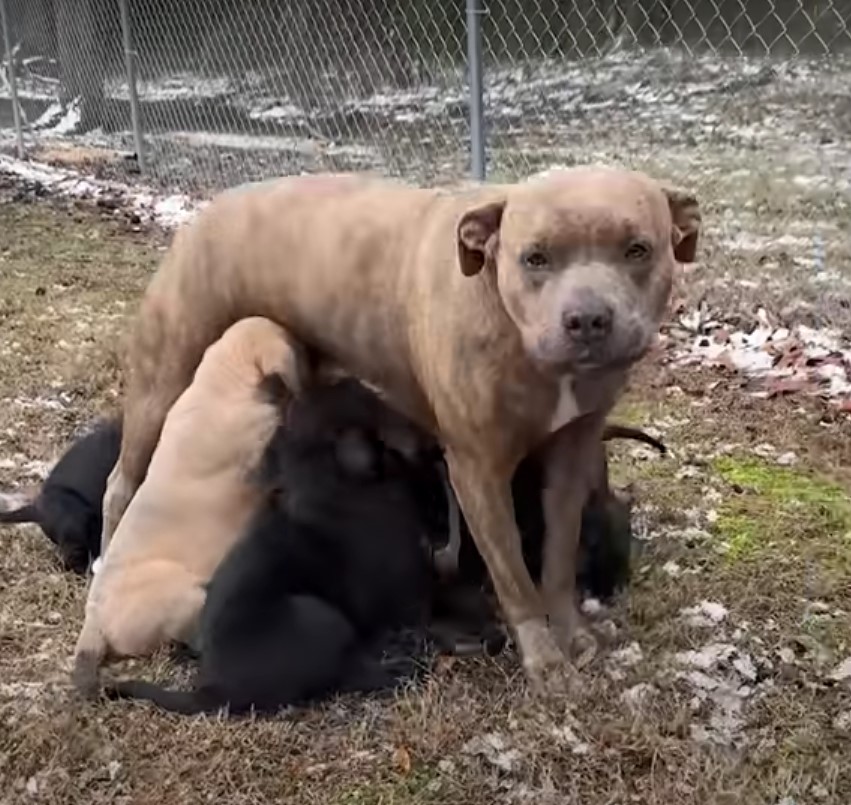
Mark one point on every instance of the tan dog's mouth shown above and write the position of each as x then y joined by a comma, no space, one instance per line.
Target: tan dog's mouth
564,360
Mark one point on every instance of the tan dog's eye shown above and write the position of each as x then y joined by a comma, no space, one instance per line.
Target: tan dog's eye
638,250
535,260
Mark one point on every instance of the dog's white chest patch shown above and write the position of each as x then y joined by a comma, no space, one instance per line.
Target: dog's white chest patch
567,408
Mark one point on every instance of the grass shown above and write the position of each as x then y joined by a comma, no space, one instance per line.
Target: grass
767,542
770,500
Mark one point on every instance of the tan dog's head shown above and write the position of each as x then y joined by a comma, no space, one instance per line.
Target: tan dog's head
584,260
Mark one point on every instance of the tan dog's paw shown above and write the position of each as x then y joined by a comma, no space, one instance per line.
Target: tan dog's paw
574,637
547,668
583,646
84,676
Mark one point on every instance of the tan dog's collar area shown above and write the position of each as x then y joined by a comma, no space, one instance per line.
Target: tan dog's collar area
584,260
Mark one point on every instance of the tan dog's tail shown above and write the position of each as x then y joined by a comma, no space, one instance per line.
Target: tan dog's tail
88,656
615,431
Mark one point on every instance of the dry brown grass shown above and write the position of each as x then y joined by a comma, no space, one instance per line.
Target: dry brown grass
68,279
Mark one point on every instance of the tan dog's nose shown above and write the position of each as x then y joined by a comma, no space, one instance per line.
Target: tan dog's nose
589,318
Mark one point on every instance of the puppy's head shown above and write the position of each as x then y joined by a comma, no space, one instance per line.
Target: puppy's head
343,435
584,262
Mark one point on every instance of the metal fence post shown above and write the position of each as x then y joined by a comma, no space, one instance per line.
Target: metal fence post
13,80
130,67
474,67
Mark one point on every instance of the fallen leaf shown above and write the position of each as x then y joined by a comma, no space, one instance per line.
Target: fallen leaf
402,760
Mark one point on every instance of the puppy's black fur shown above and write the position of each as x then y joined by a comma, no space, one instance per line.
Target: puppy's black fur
334,563
68,508
605,536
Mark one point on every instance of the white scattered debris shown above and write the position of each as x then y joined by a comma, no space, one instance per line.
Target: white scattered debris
842,722
786,655
720,676
688,471
706,613
842,672
745,667
495,748
628,656
788,459
446,766
672,569
710,656
638,695
566,736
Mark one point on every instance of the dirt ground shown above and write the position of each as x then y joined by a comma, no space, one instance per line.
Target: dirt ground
727,676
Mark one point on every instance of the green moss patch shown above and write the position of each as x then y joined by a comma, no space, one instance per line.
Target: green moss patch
770,507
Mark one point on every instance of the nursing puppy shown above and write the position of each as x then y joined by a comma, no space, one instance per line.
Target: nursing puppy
605,545
199,494
334,563
605,535
68,507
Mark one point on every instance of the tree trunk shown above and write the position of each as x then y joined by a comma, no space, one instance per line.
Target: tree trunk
81,59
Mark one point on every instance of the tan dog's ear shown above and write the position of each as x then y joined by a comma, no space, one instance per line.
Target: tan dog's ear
476,232
685,214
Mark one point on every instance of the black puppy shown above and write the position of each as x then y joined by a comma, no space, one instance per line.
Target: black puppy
68,507
334,563
605,536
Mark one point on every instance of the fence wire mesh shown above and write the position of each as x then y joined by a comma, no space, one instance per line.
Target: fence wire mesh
745,101
231,91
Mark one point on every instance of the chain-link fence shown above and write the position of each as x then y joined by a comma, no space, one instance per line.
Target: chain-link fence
229,91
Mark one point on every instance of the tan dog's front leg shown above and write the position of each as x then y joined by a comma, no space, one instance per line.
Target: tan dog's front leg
485,498
573,462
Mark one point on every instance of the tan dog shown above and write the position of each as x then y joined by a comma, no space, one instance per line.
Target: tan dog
497,317
199,494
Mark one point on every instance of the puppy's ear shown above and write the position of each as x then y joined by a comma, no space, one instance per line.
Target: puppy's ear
355,454
685,216
478,237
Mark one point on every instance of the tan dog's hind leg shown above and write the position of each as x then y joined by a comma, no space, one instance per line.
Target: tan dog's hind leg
573,463
166,609
485,498
89,654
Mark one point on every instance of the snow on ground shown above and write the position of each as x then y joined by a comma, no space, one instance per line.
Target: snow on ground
168,211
